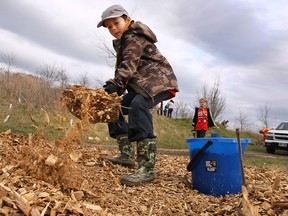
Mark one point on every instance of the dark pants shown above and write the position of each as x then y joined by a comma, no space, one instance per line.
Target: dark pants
140,122
170,112
201,133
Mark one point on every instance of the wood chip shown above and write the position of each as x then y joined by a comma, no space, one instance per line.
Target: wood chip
51,160
276,182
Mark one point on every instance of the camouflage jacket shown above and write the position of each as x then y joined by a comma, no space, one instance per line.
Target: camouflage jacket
140,66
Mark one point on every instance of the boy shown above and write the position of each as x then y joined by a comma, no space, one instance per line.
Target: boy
149,79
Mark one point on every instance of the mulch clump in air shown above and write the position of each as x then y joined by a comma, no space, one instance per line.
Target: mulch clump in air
92,105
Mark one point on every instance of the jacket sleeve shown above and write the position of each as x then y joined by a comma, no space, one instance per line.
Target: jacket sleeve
211,121
195,118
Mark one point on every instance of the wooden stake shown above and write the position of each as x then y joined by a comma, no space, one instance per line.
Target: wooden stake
240,156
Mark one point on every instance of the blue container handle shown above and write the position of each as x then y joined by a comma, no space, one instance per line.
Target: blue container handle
192,162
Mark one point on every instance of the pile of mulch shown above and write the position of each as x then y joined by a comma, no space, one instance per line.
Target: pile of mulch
66,177
91,105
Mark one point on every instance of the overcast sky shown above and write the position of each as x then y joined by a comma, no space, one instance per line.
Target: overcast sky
242,42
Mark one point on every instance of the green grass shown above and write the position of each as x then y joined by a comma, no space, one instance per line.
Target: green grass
267,161
24,121
278,159
256,148
171,133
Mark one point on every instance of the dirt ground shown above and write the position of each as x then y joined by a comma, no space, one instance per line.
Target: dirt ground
70,178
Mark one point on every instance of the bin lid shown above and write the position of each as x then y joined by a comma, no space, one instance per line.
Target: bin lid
219,139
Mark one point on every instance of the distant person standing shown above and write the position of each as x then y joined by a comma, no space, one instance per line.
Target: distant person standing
158,109
202,119
225,123
170,105
166,110
264,132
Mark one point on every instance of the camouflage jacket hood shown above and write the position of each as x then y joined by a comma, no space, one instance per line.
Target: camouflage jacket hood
140,65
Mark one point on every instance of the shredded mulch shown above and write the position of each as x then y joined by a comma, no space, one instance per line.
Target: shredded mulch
66,177
91,105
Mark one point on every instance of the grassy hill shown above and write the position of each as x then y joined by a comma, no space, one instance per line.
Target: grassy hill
172,133
30,104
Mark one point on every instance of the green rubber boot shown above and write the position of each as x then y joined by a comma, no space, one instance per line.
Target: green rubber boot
146,156
126,149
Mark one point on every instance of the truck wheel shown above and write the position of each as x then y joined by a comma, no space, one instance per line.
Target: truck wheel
270,150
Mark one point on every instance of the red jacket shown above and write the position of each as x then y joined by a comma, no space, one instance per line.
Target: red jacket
200,122
264,132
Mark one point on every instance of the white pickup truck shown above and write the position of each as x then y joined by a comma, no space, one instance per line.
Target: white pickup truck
277,139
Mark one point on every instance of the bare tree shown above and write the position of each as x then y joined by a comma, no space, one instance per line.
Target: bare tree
243,121
109,53
106,51
98,83
9,61
84,80
62,77
182,110
48,76
263,115
216,101
48,73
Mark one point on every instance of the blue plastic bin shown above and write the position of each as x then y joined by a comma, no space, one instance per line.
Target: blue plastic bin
215,134
217,171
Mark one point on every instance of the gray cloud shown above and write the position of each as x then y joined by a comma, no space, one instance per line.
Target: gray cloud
226,29
35,25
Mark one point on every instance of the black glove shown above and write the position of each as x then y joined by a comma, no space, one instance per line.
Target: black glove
110,88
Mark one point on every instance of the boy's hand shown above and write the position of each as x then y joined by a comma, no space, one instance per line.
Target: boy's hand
110,88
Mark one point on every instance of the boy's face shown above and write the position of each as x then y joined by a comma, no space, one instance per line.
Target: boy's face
116,26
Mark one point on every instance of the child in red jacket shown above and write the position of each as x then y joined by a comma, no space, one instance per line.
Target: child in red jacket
202,119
